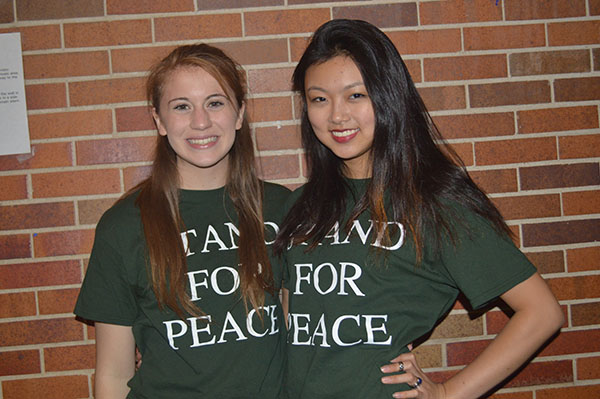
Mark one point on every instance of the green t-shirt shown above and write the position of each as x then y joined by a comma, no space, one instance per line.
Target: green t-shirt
354,307
234,355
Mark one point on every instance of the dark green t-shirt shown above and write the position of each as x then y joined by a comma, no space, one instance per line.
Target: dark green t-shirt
356,303
225,354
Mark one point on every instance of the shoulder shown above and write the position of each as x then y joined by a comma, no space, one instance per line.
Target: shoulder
275,193
122,215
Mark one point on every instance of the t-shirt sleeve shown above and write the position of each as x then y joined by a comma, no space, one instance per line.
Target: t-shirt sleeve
483,262
106,295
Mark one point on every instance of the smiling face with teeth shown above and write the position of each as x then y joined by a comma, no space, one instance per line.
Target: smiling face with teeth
200,123
341,113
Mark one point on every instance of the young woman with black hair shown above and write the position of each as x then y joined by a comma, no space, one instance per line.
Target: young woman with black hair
386,232
179,266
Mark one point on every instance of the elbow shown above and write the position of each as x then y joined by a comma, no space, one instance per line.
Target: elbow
558,318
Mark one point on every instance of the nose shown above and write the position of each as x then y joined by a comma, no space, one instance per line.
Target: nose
339,112
200,119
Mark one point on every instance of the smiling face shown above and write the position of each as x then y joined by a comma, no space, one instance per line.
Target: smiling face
200,123
341,113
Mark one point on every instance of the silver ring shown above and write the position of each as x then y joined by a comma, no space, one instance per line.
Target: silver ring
417,384
401,367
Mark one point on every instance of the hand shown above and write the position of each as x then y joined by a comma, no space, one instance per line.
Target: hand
138,359
411,374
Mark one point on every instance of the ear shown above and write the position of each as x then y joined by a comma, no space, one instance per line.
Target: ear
159,126
240,118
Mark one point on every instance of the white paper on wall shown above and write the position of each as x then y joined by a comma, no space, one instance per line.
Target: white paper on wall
14,130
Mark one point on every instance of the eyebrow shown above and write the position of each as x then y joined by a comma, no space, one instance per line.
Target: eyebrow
350,86
207,98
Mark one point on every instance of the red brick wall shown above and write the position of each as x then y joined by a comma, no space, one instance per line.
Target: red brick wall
514,85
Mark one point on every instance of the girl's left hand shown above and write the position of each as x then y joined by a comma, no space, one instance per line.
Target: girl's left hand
411,374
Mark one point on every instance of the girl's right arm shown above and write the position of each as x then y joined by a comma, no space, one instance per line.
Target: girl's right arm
115,360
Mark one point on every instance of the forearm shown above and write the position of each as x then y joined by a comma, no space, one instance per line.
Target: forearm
115,360
524,333
110,386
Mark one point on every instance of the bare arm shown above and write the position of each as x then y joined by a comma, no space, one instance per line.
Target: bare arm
537,316
115,360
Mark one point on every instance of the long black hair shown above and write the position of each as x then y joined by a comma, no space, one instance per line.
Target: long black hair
411,163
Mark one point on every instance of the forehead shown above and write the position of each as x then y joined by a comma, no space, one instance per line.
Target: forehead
339,70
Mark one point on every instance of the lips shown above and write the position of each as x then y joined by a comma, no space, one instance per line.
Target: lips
343,136
202,142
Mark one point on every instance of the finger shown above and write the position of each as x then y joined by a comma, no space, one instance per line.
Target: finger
398,367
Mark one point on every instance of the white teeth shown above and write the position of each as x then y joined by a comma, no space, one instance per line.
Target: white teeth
203,141
344,133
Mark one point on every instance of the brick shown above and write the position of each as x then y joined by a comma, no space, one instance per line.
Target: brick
476,125
596,58
14,246
547,262
583,259
17,305
134,149
134,175
31,216
44,66
278,138
40,37
429,356
515,151
44,155
20,362
200,27
458,326
495,180
504,37
91,210
427,41
77,357
509,93
557,119
137,59
29,10
40,274
72,242
381,15
555,176
40,331
519,10
565,232
512,395
7,13
578,89
148,6
62,387
588,368
459,11
63,184
574,33
70,124
297,47
269,109
132,119
265,51
14,187
284,21
443,97
579,392
529,206
586,146
107,91
219,4
43,96
414,69
585,314
549,62
573,342
594,7
581,202
270,80
57,301
278,167
464,152
108,33
465,67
